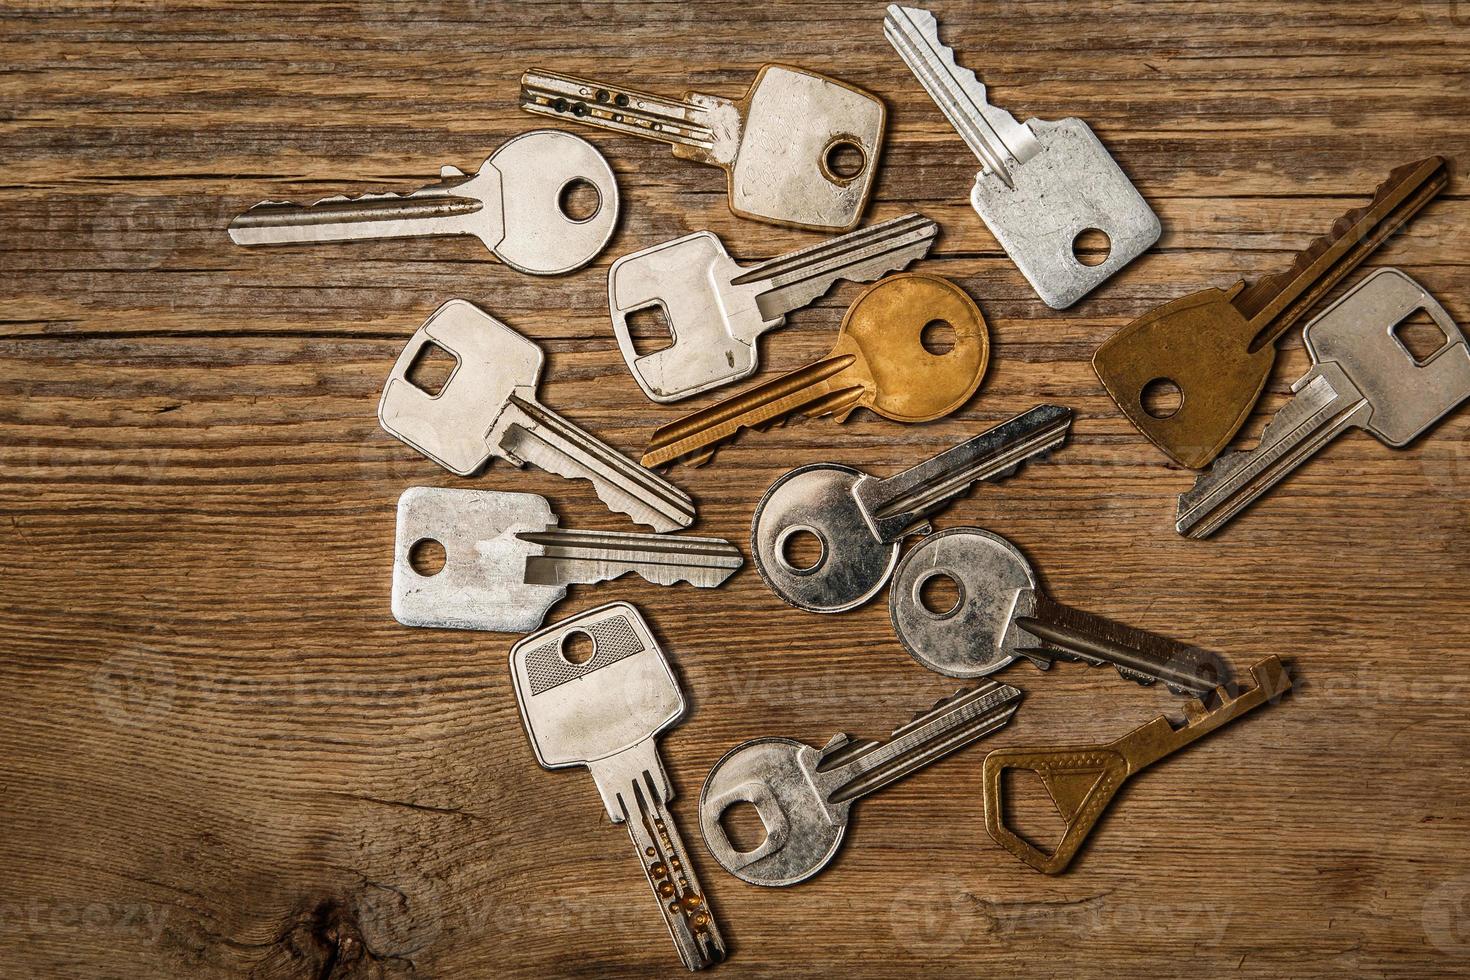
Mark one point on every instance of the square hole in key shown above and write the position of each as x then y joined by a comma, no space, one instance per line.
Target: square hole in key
743,827
431,369
1419,336
649,329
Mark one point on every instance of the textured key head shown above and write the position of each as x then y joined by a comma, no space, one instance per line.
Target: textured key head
798,126
920,344
451,426
481,585
537,171
581,710
992,582
713,325
1199,346
1360,333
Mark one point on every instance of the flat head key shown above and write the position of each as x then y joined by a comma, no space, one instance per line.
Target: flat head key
605,712
1083,779
1217,347
1362,376
715,309
784,145
516,205
488,408
803,794
880,362
859,521
999,614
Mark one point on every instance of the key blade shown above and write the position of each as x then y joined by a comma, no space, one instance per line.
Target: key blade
585,557
894,505
708,131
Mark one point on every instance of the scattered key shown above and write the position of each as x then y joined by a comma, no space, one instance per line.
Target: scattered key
1041,184
506,562
999,614
880,362
1362,376
799,148
860,521
488,408
516,205
803,794
1083,779
1214,349
715,309
605,712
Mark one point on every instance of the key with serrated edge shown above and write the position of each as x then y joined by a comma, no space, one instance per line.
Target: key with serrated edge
860,521
880,362
1215,348
780,144
803,794
1000,614
514,205
606,712
1043,183
488,408
506,562
1362,376
1083,779
715,308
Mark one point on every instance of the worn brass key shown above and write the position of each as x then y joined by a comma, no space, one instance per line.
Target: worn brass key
1083,780
1218,346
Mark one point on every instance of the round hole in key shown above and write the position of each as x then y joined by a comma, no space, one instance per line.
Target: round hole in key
844,160
1092,246
426,557
579,199
743,827
939,593
802,549
937,337
578,647
1161,398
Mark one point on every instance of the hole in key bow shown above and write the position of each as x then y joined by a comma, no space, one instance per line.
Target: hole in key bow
579,199
426,557
801,549
937,337
578,647
1419,336
743,827
649,330
844,160
431,369
1030,811
939,593
1161,398
1092,246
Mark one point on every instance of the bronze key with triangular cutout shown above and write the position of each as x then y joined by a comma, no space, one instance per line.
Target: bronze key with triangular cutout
1083,780
1218,346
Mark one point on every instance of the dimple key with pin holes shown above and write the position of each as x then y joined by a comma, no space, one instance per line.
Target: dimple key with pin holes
506,562
1082,780
606,712
1042,185
785,145
803,794
488,407
517,205
1000,614
1213,350
881,361
715,309
1362,376
859,521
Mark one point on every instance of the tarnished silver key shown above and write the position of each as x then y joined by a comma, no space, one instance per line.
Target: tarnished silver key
506,562
1042,184
799,148
1362,376
516,205
488,408
803,794
715,309
859,521
994,612
606,712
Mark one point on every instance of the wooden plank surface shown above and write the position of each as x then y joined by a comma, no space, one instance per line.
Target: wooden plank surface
222,757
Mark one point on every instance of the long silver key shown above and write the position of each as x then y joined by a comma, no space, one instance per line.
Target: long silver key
1042,184
506,562
803,794
784,145
605,712
715,308
994,612
859,521
488,408
516,205
1362,376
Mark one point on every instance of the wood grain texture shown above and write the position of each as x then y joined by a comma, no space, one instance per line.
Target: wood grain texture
223,758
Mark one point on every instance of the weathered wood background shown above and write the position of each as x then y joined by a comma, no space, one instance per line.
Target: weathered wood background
219,754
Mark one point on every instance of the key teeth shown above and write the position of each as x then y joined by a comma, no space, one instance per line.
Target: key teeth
1138,677
928,25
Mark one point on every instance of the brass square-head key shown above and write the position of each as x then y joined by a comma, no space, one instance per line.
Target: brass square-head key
799,148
